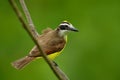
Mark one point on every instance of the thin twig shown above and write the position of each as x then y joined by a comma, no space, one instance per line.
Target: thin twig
57,71
28,17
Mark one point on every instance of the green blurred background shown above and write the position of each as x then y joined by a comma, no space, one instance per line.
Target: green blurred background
91,54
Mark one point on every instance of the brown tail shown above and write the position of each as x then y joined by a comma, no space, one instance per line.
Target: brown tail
19,64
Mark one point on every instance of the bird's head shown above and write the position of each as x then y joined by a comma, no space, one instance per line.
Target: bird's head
66,27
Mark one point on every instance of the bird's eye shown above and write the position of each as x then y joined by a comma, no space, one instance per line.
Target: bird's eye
63,27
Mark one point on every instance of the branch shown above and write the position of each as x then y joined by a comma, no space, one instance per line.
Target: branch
28,17
32,33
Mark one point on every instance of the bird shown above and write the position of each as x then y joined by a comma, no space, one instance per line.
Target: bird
52,42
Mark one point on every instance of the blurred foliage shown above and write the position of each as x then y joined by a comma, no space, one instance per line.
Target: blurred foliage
91,54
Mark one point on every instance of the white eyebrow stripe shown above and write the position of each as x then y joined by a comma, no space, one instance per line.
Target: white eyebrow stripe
64,24
69,25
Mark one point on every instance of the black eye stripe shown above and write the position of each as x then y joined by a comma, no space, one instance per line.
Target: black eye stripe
63,27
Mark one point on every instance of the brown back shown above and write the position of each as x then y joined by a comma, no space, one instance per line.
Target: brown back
50,43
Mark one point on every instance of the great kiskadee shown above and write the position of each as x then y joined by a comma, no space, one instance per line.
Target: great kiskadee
52,43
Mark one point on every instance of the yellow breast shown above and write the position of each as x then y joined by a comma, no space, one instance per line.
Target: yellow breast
53,55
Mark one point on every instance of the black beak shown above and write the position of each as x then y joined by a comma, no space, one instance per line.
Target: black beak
74,29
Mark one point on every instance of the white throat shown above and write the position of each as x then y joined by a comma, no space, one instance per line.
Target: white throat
63,33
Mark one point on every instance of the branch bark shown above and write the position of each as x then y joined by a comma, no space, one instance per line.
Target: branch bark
28,17
34,35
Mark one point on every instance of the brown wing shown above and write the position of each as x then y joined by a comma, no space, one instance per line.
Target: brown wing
50,43
54,46
34,52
